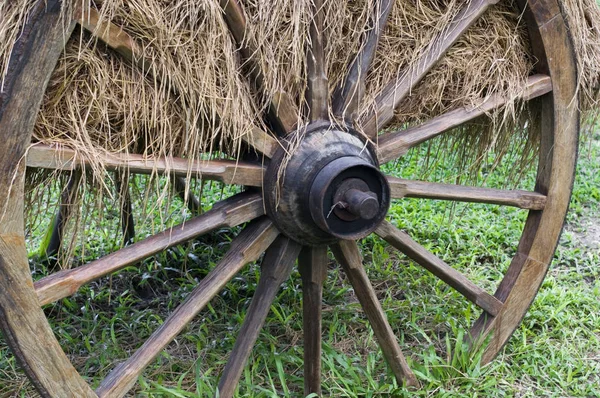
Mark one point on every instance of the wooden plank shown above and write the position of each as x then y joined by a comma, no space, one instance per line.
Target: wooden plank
312,265
395,144
52,241
401,241
348,97
262,142
23,323
191,200
317,93
114,37
227,171
348,255
117,39
275,269
126,209
229,213
397,89
245,248
401,188
283,112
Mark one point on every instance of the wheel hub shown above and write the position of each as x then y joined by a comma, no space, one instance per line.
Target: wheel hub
325,186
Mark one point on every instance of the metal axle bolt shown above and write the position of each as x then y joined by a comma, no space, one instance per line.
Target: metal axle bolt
362,204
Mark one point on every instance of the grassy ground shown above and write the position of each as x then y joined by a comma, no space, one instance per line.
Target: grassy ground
555,352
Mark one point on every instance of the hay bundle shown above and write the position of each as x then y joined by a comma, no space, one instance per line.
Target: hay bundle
583,18
195,99
97,102
191,100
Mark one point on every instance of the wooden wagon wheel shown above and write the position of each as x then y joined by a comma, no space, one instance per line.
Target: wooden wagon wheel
292,216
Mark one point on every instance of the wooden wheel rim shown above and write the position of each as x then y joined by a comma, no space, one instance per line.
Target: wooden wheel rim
21,318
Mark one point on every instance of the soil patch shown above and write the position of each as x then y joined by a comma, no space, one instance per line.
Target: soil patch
587,232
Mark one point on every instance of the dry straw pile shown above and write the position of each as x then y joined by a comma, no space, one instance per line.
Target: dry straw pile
194,97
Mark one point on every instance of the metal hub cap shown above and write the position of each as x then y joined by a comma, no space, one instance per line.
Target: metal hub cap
326,188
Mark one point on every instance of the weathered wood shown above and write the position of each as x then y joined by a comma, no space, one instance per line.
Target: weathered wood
396,90
401,188
229,213
275,269
114,37
348,97
23,323
247,247
191,200
52,241
261,141
126,209
117,39
283,112
227,171
401,241
395,144
348,255
312,265
317,91
558,155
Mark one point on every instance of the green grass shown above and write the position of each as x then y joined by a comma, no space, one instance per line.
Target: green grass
554,353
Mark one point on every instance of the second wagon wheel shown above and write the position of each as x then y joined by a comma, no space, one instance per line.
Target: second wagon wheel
320,186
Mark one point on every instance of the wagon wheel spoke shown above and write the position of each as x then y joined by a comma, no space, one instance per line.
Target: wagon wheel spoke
123,44
348,255
401,241
395,91
282,110
395,144
312,265
261,141
229,213
401,188
275,269
349,95
226,171
247,247
317,91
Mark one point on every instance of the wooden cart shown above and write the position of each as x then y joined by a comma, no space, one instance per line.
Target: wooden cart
332,194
